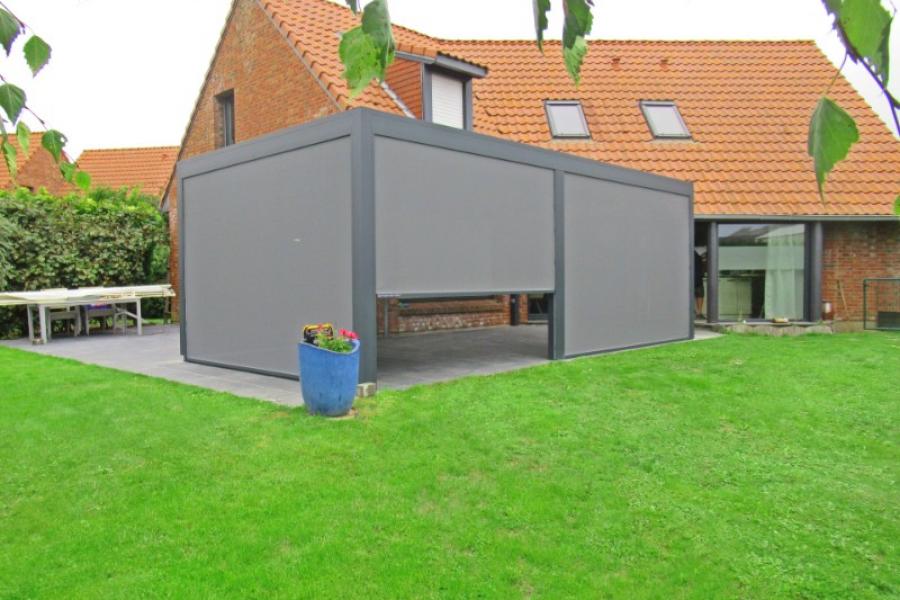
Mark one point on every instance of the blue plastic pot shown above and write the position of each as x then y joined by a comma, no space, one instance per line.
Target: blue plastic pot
328,379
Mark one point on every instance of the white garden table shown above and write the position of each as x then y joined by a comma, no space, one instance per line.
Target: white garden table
44,300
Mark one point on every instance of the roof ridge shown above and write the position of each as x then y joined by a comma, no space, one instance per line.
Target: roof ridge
522,41
120,148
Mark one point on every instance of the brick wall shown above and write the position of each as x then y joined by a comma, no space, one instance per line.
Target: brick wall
852,252
41,171
453,313
405,78
272,90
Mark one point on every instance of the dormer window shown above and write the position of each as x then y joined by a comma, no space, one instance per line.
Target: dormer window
435,88
448,100
664,120
566,119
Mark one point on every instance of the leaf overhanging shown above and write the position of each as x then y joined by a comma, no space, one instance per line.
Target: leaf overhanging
832,132
577,26
10,28
541,7
37,54
368,49
12,100
23,134
53,141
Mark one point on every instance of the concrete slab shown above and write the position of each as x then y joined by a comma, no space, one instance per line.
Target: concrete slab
403,360
156,353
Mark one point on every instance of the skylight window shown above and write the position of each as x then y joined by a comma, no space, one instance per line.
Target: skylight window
664,120
566,119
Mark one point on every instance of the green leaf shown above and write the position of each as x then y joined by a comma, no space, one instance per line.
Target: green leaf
9,155
541,7
367,50
37,53
360,58
831,134
10,28
832,6
574,58
577,26
83,180
12,100
53,141
376,23
23,134
897,206
68,171
867,26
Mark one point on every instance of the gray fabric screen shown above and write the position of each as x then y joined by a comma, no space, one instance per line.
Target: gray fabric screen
451,222
627,266
267,249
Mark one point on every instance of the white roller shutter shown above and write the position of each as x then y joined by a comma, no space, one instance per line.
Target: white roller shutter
447,101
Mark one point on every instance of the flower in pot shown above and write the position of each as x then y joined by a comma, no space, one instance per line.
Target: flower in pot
329,369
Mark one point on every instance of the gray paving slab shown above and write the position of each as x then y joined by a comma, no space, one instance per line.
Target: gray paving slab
403,360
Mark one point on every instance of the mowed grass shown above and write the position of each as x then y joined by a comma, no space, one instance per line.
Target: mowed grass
740,467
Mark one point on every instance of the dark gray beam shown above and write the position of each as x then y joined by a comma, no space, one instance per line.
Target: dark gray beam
712,271
557,329
362,175
419,132
816,250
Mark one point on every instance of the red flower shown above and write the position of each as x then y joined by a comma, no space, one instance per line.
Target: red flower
350,335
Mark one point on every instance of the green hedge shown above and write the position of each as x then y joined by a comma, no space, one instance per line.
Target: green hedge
103,238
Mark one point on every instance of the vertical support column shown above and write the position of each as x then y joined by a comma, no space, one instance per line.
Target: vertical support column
816,251
182,280
427,112
557,328
712,278
691,249
365,321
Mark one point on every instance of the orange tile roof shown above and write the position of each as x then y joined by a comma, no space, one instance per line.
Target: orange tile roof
145,168
747,105
34,145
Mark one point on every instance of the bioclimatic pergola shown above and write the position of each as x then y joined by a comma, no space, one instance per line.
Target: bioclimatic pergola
316,222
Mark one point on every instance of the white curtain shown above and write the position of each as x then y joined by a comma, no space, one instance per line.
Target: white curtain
784,272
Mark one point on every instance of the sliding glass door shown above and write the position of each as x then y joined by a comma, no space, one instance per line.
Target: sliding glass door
761,271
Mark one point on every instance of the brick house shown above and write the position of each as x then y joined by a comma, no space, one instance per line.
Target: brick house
147,169
730,116
36,168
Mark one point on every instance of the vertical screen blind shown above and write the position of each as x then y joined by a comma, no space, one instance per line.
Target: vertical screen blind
447,101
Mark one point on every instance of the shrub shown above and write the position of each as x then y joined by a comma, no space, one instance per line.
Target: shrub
103,238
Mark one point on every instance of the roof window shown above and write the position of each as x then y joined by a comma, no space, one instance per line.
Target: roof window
664,120
566,119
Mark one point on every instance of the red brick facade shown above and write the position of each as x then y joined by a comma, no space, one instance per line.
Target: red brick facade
852,252
405,78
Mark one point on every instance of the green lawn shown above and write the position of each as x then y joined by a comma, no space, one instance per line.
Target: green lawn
741,467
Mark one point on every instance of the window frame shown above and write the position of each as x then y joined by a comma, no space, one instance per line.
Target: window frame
667,104
226,114
811,269
548,104
427,99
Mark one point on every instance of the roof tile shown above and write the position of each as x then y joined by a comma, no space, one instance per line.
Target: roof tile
746,103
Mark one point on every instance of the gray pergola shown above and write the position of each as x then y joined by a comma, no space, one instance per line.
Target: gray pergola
316,222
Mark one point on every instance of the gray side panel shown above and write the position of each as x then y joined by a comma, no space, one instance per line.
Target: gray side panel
267,249
626,266
448,221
